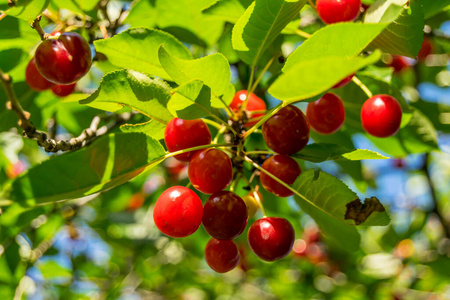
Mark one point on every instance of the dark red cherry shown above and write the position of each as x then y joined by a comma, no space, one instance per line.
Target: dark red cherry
224,215
34,79
283,167
178,212
63,90
221,256
327,114
381,116
426,49
182,134
64,60
271,238
333,11
399,63
286,132
254,103
210,170
343,82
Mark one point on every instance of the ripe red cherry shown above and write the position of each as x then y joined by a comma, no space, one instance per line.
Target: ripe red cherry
327,114
178,212
221,256
286,132
271,238
224,215
381,116
210,170
343,82
399,63
283,167
34,79
426,49
63,90
254,103
64,60
333,11
182,134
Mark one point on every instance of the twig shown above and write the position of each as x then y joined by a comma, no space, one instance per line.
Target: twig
37,26
363,87
51,145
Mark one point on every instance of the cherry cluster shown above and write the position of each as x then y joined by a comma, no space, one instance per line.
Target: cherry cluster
59,62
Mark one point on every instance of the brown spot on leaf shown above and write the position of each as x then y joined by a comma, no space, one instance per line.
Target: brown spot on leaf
359,212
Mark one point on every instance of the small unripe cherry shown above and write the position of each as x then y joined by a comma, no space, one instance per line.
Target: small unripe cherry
381,116
252,204
178,212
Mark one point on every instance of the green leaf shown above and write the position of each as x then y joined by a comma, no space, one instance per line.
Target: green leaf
405,35
261,23
142,13
137,49
191,101
341,39
17,33
27,10
436,112
213,70
136,90
52,270
151,128
184,19
328,201
433,7
228,10
312,77
108,162
78,6
319,152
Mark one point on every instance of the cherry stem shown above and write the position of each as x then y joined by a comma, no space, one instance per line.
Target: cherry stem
213,123
249,87
235,182
225,106
261,74
250,161
35,24
362,86
260,152
219,133
312,4
303,34
264,119
170,154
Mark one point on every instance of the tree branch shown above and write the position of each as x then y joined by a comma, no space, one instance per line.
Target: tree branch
49,144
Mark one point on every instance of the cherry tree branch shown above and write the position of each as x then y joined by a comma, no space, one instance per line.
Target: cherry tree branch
43,140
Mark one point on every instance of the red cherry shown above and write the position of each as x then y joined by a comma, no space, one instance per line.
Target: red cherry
271,238
399,63
35,79
182,134
343,82
283,167
381,116
64,60
286,132
136,201
254,103
63,90
224,215
333,11
178,212
221,256
327,114
426,49
210,170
